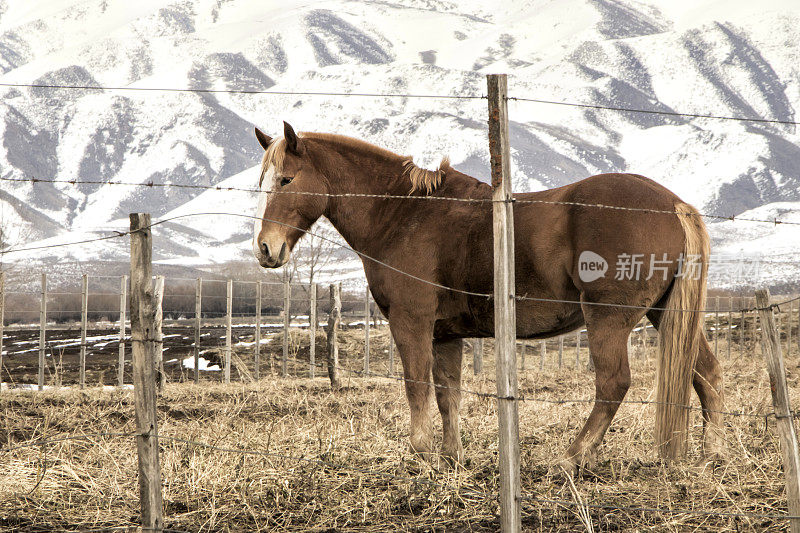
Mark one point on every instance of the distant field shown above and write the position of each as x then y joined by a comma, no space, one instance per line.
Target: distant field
340,462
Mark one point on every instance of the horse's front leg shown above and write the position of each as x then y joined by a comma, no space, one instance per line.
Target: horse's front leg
414,337
447,377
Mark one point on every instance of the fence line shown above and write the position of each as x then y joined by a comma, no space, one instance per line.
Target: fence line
392,95
733,218
490,495
399,271
143,347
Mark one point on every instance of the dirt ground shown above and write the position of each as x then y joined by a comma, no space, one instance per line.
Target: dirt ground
323,461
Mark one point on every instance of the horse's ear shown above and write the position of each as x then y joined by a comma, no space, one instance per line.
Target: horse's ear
293,142
263,139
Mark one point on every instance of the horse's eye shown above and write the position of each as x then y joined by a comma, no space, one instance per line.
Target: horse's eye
286,180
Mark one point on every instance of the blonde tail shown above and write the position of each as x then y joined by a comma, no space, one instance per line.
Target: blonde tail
680,330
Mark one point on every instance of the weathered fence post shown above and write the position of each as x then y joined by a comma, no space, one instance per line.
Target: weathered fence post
287,303
334,318
789,314
743,302
228,330
504,303
477,356
782,406
312,332
561,351
198,313
42,330
544,353
158,297
366,329
716,327
84,321
730,324
390,372
754,329
2,318
123,307
257,332
143,348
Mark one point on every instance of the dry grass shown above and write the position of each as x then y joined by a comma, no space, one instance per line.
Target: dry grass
91,483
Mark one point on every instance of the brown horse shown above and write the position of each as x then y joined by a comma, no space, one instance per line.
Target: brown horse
561,247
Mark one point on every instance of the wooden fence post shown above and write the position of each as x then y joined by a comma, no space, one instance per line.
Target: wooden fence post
390,372
312,332
561,351
228,330
477,356
716,327
2,318
780,402
730,324
798,328
504,304
123,307
287,303
84,321
158,297
42,330
754,328
198,313
366,329
789,314
143,348
334,318
257,332
743,302
544,353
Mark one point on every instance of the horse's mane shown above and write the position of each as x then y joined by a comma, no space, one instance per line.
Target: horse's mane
421,179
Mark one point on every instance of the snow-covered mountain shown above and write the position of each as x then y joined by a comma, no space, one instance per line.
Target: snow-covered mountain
720,57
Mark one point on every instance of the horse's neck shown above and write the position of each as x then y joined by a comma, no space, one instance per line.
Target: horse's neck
360,218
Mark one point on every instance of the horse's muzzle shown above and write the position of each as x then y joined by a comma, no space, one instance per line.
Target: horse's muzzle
267,259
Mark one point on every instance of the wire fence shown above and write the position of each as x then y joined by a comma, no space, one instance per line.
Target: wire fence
432,197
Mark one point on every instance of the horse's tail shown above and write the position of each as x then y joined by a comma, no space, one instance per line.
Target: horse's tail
680,332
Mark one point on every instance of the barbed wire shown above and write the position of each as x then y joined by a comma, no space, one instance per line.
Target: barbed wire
363,255
277,92
732,218
240,91
652,111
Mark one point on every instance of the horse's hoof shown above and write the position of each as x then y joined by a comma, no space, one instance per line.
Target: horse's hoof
564,466
452,458
574,464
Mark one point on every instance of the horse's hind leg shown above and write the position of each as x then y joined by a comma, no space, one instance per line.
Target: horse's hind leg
608,331
447,377
707,382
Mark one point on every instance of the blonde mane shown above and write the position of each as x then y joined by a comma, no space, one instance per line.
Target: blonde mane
421,179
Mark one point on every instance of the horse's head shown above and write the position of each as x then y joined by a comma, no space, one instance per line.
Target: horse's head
292,197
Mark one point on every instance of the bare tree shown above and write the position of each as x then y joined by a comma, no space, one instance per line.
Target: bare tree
313,253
